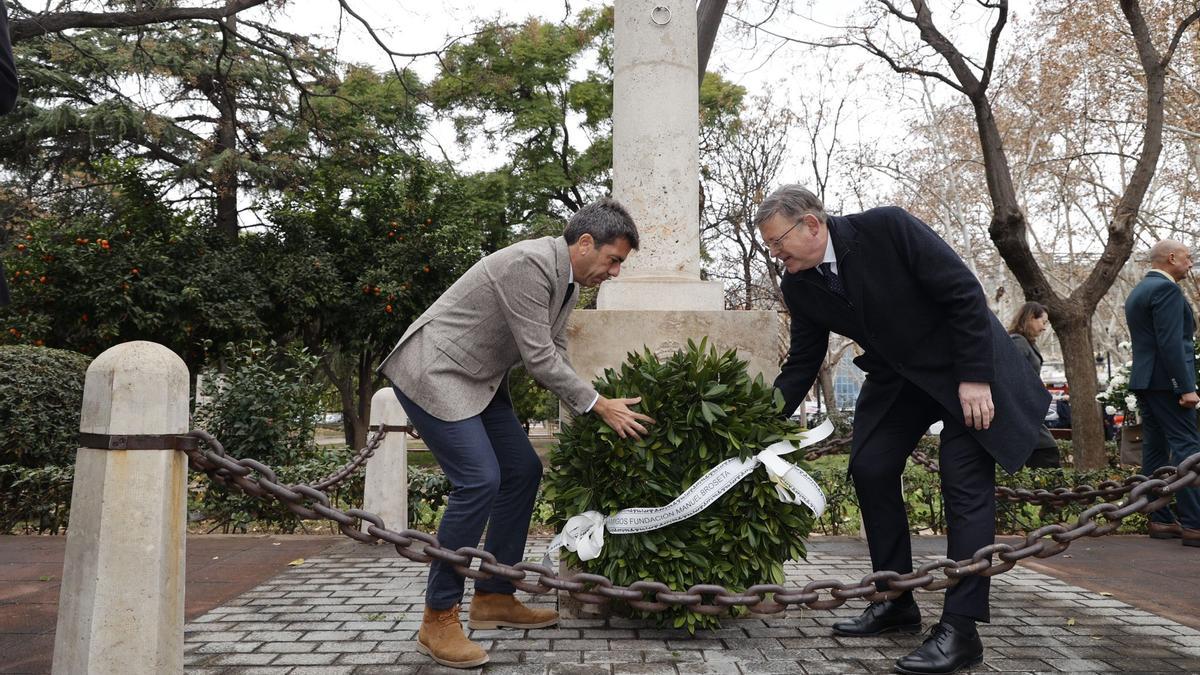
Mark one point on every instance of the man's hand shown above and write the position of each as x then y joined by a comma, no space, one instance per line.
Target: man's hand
1189,400
616,413
976,400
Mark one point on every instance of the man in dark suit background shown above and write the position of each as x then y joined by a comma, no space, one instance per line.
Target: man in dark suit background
932,351
8,100
1162,331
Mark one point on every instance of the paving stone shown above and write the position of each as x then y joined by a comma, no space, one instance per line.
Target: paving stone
288,647
311,659
643,669
769,667
1077,665
610,657
577,669
243,659
672,656
324,635
347,647
693,668
227,647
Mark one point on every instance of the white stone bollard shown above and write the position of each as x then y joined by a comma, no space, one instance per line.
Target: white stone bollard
386,487
121,604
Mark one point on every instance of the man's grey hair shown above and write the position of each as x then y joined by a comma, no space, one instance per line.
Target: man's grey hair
606,220
1163,249
792,202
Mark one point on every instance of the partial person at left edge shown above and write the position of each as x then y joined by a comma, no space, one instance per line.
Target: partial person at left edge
8,101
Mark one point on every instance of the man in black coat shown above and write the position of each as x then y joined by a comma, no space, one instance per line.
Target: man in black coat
932,351
1162,331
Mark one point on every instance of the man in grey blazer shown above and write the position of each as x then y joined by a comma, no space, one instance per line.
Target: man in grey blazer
450,372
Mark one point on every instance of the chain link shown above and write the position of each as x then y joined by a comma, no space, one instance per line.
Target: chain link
359,459
1144,495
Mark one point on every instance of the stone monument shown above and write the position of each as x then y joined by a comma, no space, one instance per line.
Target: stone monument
659,300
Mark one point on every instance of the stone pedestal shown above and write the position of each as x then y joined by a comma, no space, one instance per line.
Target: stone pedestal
659,301
385,491
599,339
121,604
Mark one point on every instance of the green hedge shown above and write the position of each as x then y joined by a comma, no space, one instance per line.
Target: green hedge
41,393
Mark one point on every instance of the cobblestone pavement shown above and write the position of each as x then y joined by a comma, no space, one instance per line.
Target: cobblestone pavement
356,609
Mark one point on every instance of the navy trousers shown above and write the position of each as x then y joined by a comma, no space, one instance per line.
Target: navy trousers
494,473
1169,436
968,478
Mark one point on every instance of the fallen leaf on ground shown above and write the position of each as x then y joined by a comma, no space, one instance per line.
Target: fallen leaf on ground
296,563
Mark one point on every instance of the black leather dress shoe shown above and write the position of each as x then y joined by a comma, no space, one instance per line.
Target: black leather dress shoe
946,650
882,617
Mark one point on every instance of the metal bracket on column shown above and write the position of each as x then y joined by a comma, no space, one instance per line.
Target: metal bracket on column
138,441
398,428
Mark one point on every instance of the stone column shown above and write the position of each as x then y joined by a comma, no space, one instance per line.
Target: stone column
656,157
659,301
386,489
121,605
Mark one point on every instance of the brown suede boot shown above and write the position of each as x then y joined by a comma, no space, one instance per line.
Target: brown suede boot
442,638
502,610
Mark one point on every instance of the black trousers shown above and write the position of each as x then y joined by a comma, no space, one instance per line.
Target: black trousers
1169,436
968,478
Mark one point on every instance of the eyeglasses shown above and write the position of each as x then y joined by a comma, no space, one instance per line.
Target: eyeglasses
774,243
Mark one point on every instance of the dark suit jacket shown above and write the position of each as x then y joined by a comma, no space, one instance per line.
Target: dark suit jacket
1030,353
920,315
1162,330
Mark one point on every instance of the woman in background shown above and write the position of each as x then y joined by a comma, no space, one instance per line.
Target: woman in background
1030,322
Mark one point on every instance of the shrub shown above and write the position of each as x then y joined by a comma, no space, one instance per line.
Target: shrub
41,392
264,406
427,492
708,409
35,499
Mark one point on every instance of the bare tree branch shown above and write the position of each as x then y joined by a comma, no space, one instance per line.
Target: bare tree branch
57,22
1179,31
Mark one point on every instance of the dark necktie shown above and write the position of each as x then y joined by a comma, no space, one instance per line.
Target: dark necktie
567,299
832,280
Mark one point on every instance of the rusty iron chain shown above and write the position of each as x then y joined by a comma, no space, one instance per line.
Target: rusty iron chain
833,446
360,458
365,453
1109,490
1148,494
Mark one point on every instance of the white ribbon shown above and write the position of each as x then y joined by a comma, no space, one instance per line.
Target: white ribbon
584,533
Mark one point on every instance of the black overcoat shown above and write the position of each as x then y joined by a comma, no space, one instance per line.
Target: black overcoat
920,315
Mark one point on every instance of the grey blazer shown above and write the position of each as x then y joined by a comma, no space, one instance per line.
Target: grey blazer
1045,439
511,307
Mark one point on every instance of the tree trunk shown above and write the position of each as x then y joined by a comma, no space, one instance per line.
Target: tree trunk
708,20
225,174
366,376
1087,426
825,375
